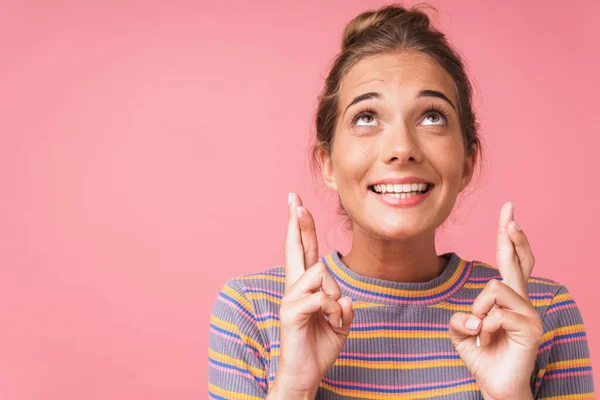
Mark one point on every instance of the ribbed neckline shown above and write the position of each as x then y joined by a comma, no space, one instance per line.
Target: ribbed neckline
405,294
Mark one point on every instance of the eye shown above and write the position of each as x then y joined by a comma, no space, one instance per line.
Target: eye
365,118
368,119
434,118
434,115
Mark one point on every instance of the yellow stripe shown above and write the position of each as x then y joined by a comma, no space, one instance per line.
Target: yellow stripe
239,298
578,362
563,330
562,297
234,329
364,304
398,365
264,296
481,285
397,292
467,307
260,373
388,333
231,395
263,277
574,396
364,394
269,323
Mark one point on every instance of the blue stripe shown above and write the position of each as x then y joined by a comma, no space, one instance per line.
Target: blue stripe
399,328
568,336
391,296
216,396
249,346
253,290
235,368
411,390
562,303
248,313
273,317
561,371
257,276
401,358
226,332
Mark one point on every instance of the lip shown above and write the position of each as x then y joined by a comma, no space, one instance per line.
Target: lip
406,179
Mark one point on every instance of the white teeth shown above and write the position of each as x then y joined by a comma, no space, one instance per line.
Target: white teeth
400,188
401,195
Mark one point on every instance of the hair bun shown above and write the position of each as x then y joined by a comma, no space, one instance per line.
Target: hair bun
370,20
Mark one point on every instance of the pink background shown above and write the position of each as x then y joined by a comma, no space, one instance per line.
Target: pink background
148,149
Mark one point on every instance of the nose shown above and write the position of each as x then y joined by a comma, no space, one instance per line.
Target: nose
402,146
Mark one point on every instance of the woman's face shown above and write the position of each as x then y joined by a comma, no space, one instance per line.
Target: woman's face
398,121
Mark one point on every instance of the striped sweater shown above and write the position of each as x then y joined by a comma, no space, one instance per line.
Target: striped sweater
398,345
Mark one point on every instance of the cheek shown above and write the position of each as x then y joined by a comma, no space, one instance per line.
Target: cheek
447,157
353,165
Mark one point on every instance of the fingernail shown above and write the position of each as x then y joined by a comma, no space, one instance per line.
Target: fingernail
473,324
299,212
341,322
517,227
477,341
349,299
290,196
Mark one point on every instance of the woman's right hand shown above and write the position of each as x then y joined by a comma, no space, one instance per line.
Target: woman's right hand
309,342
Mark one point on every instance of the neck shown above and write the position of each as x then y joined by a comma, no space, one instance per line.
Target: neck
410,260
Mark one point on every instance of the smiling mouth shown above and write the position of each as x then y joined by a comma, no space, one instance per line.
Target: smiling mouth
401,191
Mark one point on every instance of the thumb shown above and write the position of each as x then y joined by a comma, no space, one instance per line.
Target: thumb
463,325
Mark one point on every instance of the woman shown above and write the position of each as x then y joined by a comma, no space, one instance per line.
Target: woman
397,139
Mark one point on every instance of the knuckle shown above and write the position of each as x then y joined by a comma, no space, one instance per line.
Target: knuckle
320,268
322,298
493,285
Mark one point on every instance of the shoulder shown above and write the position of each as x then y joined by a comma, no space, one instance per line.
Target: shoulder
255,293
543,292
269,282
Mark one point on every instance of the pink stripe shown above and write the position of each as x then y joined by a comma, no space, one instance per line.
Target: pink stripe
483,279
567,374
236,372
567,340
259,316
251,289
235,340
369,355
417,301
417,324
235,306
561,308
374,386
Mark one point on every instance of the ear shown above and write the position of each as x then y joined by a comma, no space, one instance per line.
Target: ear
469,166
327,168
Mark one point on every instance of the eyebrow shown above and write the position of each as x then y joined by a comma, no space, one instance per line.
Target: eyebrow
378,96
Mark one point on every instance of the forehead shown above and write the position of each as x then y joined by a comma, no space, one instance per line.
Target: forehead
405,71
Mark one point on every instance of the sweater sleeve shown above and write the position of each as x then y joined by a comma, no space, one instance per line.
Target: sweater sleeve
237,358
564,369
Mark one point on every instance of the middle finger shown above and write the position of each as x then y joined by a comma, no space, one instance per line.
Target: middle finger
498,293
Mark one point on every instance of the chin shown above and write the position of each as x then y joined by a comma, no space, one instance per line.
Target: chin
398,232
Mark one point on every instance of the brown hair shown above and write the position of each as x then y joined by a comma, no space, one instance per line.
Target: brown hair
392,28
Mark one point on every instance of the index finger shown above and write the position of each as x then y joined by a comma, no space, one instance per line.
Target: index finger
294,251
506,257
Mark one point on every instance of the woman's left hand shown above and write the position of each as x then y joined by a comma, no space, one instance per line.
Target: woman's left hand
500,352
